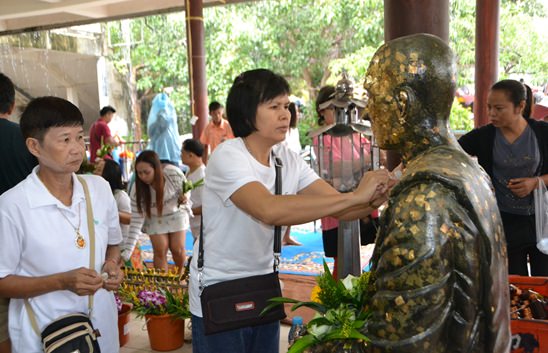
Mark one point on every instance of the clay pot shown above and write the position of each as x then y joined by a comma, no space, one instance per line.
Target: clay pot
123,323
165,332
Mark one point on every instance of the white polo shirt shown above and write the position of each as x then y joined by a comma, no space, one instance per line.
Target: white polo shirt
36,240
196,199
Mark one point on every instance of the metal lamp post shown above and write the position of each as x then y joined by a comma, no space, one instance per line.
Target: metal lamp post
345,170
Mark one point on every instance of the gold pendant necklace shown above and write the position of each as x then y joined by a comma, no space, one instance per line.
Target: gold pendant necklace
80,241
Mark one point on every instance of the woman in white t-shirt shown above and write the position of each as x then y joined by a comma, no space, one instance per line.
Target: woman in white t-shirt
155,208
240,208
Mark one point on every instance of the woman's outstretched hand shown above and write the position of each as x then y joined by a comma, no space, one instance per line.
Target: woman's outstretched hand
374,186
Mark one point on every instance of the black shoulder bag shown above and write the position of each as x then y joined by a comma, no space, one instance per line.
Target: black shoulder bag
238,303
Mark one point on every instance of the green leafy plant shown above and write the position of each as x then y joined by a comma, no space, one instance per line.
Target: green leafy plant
461,119
188,185
158,302
341,311
104,149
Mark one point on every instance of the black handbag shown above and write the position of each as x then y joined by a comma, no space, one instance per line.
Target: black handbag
238,303
72,332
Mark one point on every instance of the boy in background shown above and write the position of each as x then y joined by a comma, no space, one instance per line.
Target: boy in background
216,131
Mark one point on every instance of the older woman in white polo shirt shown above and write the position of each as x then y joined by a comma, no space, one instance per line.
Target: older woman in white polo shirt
44,238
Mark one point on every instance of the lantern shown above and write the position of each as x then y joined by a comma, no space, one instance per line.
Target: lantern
343,155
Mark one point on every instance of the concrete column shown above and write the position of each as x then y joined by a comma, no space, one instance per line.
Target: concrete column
196,64
487,56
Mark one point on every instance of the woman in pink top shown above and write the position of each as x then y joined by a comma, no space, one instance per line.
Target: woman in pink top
348,149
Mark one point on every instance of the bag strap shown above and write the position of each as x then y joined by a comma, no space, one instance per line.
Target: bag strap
91,231
277,248
277,229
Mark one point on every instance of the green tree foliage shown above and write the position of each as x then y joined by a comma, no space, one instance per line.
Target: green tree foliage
156,46
461,117
462,33
522,46
309,42
522,39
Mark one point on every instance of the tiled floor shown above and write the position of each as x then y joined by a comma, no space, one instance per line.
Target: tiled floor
138,339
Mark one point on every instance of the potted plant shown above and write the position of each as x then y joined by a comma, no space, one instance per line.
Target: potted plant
164,311
341,314
124,310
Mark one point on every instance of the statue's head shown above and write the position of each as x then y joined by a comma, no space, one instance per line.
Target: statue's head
411,84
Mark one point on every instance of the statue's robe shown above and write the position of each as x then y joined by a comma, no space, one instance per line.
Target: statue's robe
440,261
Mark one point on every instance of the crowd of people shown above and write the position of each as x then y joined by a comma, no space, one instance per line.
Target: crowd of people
46,231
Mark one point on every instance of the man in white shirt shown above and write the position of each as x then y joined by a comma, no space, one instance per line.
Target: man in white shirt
191,155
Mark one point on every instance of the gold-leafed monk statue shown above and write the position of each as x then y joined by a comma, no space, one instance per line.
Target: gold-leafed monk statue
440,259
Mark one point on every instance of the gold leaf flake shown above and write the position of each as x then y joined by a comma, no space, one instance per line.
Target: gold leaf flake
415,215
419,200
444,228
411,255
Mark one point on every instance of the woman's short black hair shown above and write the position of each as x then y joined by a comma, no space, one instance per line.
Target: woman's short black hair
325,94
194,146
45,112
113,174
515,90
250,89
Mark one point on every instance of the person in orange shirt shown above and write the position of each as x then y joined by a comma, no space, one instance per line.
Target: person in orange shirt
216,131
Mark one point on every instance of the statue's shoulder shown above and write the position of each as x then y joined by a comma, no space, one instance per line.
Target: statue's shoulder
446,164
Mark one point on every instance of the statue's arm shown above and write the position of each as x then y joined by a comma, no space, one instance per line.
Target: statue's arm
417,270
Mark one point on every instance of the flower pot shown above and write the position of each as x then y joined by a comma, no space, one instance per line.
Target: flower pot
123,323
165,333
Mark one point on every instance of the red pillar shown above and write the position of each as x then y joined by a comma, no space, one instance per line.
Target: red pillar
405,17
487,56
196,64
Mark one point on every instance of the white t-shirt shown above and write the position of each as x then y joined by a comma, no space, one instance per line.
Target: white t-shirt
123,202
196,198
36,240
292,140
235,244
